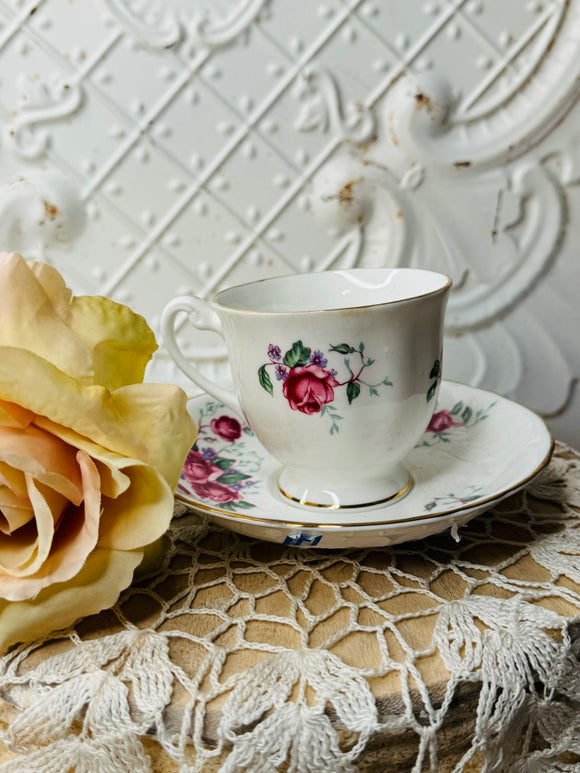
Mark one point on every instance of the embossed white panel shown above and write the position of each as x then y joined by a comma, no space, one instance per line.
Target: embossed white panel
156,147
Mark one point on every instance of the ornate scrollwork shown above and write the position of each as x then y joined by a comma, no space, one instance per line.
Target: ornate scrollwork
163,23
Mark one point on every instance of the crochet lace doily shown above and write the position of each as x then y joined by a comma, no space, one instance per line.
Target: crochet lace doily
238,655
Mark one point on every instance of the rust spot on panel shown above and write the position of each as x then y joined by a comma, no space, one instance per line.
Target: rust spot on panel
461,164
345,194
399,213
423,101
50,210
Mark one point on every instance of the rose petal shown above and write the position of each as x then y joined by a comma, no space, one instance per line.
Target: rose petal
23,553
73,541
113,481
13,479
140,515
53,285
44,456
14,511
29,320
48,506
12,415
121,341
50,393
158,414
95,587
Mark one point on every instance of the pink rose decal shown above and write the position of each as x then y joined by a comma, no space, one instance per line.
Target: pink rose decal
309,383
217,492
308,388
198,470
460,416
227,428
213,478
440,421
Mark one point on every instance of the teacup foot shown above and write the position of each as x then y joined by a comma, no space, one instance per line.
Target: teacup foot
336,494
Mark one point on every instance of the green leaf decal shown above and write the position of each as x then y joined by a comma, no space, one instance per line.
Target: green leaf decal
265,380
466,415
297,355
223,464
456,408
431,392
435,369
342,349
242,504
231,477
352,391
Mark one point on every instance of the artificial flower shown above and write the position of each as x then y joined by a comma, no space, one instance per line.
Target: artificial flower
89,455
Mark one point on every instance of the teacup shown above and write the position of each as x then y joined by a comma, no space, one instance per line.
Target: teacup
336,372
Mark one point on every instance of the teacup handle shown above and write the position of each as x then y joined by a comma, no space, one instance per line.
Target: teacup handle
202,317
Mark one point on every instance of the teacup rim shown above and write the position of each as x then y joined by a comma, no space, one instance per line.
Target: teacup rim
438,291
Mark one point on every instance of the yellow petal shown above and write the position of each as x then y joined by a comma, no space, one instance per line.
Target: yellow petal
53,285
96,587
158,414
12,415
45,457
140,515
14,511
121,341
49,392
14,479
29,320
74,539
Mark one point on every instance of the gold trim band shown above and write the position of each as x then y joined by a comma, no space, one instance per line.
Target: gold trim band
294,524
391,498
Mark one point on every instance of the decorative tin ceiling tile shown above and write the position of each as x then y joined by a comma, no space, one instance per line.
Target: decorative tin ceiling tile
155,147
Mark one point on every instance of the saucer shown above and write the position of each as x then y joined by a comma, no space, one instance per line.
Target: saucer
479,448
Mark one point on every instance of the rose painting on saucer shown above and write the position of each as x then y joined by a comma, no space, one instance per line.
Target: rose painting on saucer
219,468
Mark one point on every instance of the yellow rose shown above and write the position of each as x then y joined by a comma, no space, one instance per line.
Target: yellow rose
89,455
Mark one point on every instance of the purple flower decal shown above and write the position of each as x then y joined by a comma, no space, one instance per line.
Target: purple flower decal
281,373
318,358
208,453
274,352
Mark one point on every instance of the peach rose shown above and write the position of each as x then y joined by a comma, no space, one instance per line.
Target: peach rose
89,455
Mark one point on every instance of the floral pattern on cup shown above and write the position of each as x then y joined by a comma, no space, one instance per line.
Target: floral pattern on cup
219,468
440,428
452,500
309,384
435,374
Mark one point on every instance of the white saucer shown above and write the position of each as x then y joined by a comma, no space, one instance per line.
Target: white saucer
478,449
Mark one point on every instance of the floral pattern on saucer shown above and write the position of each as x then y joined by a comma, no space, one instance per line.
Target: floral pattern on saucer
479,448
452,500
309,385
441,428
220,469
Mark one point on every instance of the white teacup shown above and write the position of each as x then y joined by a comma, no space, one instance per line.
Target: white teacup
336,372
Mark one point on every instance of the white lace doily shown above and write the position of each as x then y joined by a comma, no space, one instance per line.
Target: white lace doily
239,655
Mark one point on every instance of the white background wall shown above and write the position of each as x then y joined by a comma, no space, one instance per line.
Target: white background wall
156,147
